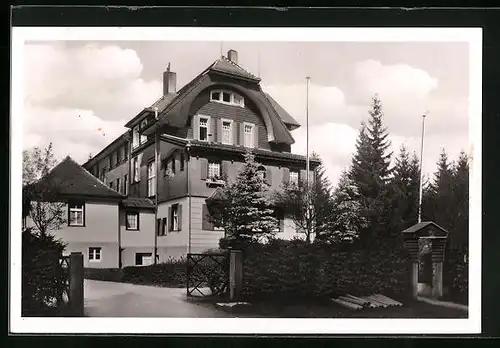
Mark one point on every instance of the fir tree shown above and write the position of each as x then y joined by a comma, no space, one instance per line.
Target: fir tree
460,187
346,219
246,213
370,172
404,191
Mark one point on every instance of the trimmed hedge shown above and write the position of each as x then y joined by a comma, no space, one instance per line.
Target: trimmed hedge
43,278
297,270
168,274
104,274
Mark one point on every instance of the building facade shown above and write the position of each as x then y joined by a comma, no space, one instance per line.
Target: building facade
177,152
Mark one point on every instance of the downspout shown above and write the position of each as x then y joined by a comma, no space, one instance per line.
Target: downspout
188,150
157,151
119,240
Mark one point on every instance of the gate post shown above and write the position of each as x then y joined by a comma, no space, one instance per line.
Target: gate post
412,245
235,274
76,284
438,249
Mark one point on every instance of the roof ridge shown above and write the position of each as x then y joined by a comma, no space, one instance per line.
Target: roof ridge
236,65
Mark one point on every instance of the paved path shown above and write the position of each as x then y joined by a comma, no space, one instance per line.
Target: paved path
109,299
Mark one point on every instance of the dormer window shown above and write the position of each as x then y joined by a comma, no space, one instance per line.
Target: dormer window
227,97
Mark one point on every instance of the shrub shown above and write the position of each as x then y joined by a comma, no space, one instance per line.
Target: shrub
455,275
170,273
298,270
43,278
104,274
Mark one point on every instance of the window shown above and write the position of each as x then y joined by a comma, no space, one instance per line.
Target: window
95,254
203,129
227,132
111,185
182,162
112,160
76,211
151,179
162,226
215,95
174,217
294,177
125,182
144,138
248,135
135,137
214,171
143,259
118,187
227,97
172,164
136,169
261,172
125,151
132,221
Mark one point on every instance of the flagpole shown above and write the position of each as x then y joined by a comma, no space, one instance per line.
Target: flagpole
421,170
307,131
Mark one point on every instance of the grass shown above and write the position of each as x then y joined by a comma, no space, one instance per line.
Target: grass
323,309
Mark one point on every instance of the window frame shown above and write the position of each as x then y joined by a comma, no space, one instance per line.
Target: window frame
174,217
141,255
151,179
230,131
212,163
136,168
127,226
245,124
136,137
232,98
94,251
206,126
71,208
290,177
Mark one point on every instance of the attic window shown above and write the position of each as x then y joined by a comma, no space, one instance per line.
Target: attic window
227,97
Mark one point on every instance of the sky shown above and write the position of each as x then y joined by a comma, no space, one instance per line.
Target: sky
80,94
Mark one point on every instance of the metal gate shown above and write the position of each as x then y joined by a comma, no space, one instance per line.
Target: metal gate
207,275
63,297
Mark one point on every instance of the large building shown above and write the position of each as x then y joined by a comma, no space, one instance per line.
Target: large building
178,151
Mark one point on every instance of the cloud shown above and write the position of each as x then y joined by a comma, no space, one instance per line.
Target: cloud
73,132
104,79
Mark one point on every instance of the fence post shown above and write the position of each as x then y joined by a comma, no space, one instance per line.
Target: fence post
76,284
235,274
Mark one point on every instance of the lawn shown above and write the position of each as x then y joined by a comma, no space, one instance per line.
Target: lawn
410,309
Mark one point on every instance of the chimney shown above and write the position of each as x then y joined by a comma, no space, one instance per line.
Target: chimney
232,55
169,81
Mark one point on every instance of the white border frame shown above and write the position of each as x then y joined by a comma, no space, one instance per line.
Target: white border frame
243,325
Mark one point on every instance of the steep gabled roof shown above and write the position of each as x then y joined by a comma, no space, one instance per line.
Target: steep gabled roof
284,115
224,65
418,227
68,178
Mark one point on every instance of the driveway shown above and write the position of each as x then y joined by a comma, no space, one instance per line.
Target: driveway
109,299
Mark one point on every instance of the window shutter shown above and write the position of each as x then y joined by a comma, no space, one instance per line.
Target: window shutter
234,129
210,130
269,175
196,127
219,130
204,168
206,223
286,175
163,225
158,227
256,136
170,228
242,134
179,218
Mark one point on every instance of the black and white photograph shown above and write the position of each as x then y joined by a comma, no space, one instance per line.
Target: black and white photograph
246,180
